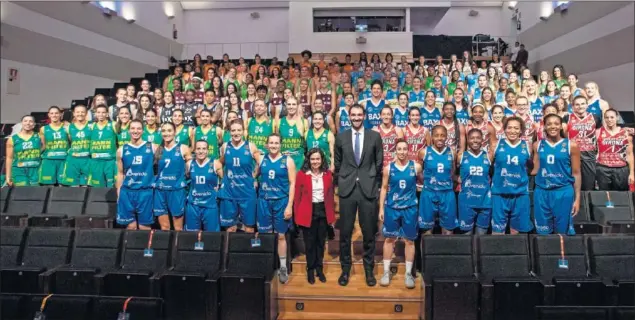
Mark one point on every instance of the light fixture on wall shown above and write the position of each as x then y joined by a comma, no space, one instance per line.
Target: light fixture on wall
512,5
546,10
171,17
131,20
168,9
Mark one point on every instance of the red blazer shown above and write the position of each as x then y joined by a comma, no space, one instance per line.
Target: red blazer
302,200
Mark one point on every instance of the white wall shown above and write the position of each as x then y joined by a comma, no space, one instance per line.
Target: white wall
42,87
151,15
613,22
26,19
235,32
616,85
529,13
301,35
490,20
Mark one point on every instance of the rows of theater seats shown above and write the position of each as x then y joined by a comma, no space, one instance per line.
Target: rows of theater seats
184,275
507,277
466,277
96,208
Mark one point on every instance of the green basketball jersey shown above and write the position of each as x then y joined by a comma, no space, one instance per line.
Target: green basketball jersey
406,88
211,138
226,136
80,140
153,136
182,135
123,136
26,152
259,132
55,143
292,140
103,142
320,142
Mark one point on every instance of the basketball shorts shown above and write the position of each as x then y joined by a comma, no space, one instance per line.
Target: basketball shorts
513,208
202,218
271,215
135,204
552,210
401,222
588,160
169,201
441,204
609,178
76,171
234,211
102,173
24,177
469,216
51,171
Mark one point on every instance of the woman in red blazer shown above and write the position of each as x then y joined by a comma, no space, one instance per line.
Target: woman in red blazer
314,209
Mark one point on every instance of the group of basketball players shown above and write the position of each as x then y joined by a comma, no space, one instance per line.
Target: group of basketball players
226,151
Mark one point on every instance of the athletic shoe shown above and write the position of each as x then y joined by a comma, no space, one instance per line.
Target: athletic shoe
385,279
283,275
410,281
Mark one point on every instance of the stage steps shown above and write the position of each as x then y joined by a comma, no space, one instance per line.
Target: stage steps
299,300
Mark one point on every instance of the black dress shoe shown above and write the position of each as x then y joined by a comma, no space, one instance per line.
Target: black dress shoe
310,276
370,278
320,274
344,277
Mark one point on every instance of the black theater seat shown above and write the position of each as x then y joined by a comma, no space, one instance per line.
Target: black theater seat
60,307
582,222
508,291
249,277
138,273
95,251
190,288
10,219
29,200
12,306
45,249
569,286
619,218
11,242
100,210
612,257
65,200
451,286
571,313
108,308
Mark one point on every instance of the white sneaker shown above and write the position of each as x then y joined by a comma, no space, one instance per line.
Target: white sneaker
385,279
410,281
283,275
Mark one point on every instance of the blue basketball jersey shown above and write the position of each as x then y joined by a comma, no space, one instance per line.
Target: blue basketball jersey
238,180
416,96
171,174
462,116
345,120
509,112
429,118
594,108
471,80
437,169
401,118
138,166
402,186
392,94
576,93
510,168
500,97
274,178
535,109
555,165
475,180
549,99
476,95
364,95
204,184
437,92
373,113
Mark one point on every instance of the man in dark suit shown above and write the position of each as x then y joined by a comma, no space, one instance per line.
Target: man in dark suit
522,58
358,165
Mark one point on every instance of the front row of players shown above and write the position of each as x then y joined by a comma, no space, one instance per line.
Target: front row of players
493,187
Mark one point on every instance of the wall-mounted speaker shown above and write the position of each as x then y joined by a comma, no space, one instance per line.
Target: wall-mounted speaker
360,40
255,15
473,13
